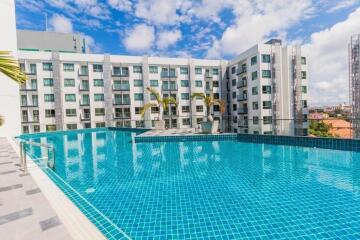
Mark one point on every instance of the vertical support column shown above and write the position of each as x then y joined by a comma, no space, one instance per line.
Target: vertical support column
59,115
223,95
192,90
146,83
297,89
108,91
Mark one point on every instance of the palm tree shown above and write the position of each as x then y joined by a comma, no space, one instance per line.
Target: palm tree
9,66
160,102
209,101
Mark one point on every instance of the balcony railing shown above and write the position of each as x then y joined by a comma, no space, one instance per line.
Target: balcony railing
242,111
86,103
242,84
168,74
120,74
85,116
83,73
122,115
169,87
126,102
242,98
121,87
208,75
84,88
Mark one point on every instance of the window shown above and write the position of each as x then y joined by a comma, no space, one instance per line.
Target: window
267,132
255,120
186,121
85,100
216,108
137,110
25,129
233,82
139,124
265,58
253,60
254,75
50,127
154,83
84,70
49,97
137,69
84,85
303,60
184,70
198,83
215,71
138,83
33,84
70,112
100,124
185,109
49,113
303,75
99,97
233,95
198,70
216,96
266,104
70,98
304,89
255,105
47,66
116,71
69,82
71,126
266,89
266,73
153,69
68,67
215,83
184,83
97,67
34,100
267,119
36,128
304,103
234,107
98,82
152,97
199,108
32,68
139,97
99,111
154,109
185,96
254,91
233,70
48,82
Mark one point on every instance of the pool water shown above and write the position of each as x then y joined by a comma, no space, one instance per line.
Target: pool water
211,190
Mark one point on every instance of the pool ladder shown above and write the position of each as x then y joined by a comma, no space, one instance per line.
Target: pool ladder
50,150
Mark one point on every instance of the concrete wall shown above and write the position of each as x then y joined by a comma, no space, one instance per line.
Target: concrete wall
9,90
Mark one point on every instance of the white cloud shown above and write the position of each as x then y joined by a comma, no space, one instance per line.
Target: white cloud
140,38
167,38
328,61
157,11
342,5
121,5
256,21
60,23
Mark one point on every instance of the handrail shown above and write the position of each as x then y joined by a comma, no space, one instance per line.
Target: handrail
23,158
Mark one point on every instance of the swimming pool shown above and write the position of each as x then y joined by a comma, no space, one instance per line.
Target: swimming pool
206,189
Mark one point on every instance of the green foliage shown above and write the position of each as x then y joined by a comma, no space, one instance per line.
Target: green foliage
320,129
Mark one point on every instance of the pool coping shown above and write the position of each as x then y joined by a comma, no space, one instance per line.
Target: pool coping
75,221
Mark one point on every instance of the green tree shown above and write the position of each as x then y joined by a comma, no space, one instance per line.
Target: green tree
320,129
209,101
10,67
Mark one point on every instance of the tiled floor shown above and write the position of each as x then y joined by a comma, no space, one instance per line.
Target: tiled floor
25,213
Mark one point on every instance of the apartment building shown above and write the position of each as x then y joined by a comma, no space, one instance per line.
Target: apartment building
354,83
267,90
73,91
262,86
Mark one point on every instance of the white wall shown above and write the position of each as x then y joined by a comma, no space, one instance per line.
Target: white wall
9,90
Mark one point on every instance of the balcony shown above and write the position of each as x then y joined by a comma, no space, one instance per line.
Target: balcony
84,88
123,102
241,84
83,73
125,87
169,88
168,75
241,98
122,115
242,111
25,89
208,75
120,74
241,70
84,103
85,117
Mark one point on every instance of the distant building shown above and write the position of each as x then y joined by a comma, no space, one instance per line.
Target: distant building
51,42
354,83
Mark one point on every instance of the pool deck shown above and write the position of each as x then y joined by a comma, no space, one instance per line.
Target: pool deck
25,213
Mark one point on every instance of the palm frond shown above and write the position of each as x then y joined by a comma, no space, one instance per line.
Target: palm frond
167,101
146,107
198,95
1,120
155,93
9,66
221,104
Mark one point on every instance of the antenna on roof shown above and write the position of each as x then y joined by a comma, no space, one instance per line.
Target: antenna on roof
46,23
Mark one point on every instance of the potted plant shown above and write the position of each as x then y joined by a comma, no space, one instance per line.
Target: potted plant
209,126
161,103
9,66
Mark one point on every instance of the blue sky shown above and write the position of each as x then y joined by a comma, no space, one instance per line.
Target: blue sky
208,29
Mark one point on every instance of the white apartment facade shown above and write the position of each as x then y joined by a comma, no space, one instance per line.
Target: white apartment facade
74,90
267,90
